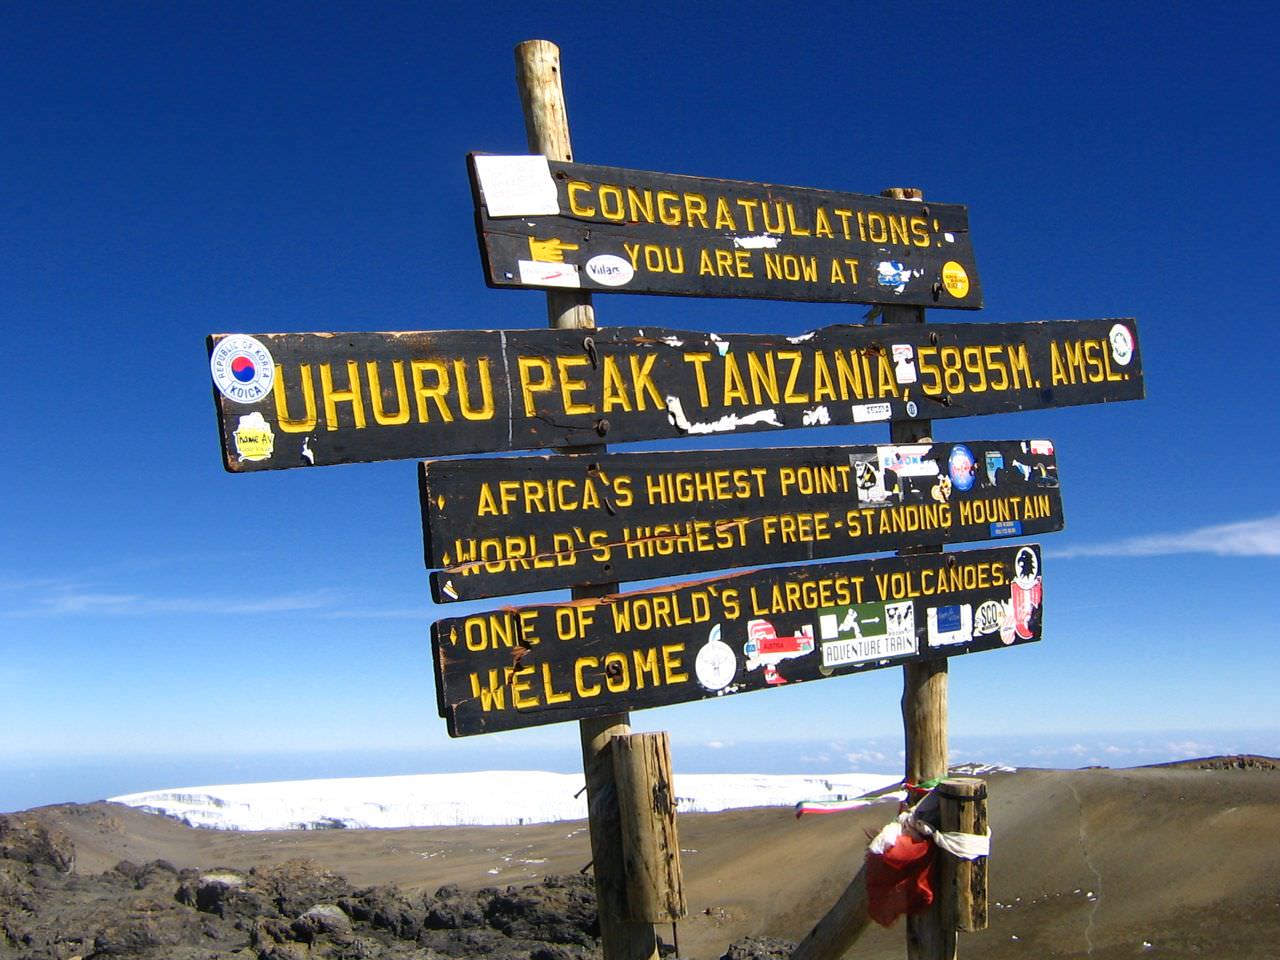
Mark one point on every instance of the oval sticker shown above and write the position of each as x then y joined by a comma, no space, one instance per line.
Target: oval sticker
1121,344
955,279
610,270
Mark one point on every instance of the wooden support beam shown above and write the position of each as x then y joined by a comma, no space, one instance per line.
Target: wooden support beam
835,933
650,842
963,809
539,79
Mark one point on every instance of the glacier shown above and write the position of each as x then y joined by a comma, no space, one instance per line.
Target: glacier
492,798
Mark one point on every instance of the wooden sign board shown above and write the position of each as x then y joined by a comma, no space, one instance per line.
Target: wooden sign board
308,399
514,525
523,666
550,225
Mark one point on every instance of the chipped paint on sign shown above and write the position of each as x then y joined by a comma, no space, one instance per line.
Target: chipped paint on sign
763,242
726,424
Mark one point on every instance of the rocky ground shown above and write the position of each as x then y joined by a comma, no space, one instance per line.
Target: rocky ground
292,911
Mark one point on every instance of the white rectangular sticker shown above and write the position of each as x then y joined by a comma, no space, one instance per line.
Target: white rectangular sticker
950,624
843,652
904,363
535,273
908,460
517,186
871,412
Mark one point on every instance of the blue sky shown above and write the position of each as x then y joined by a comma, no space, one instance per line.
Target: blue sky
176,170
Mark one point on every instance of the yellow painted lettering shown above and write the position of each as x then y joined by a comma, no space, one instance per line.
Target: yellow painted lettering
438,392
470,412
611,207
550,694
308,421
672,664
699,360
615,388
646,662
734,386
528,367
579,209
764,377
380,416
333,397
822,224
789,394
823,388
642,381
640,203
695,209
569,386
724,215
669,208
580,682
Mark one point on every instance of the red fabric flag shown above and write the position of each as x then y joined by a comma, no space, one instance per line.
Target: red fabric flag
898,880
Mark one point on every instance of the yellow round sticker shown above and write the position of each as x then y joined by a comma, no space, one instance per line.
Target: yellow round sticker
955,279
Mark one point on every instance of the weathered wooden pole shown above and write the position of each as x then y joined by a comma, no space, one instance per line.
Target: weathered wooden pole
546,123
963,809
924,682
924,724
650,842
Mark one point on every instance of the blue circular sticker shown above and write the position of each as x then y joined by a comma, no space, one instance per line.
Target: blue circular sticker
962,467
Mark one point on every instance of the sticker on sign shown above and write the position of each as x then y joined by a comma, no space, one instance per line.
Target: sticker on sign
519,186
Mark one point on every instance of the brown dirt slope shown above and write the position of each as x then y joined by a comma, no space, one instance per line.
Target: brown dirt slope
1165,862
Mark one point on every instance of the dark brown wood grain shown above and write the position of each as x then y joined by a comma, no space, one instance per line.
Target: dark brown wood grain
634,231
350,397
522,666
503,525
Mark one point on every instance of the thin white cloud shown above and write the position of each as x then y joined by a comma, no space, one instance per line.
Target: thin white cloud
1248,538
60,599
865,756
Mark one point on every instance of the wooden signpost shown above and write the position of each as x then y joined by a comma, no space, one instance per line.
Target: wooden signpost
311,399
553,225
588,519
499,526
523,666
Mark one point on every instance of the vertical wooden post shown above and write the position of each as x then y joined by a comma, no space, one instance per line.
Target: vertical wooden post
546,121
546,124
650,841
924,682
963,809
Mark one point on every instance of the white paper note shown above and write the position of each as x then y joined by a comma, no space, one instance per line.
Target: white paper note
517,186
